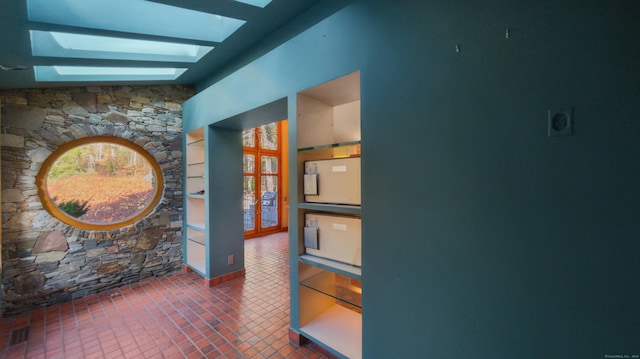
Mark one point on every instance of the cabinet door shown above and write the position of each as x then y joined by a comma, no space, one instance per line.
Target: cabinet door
338,180
339,237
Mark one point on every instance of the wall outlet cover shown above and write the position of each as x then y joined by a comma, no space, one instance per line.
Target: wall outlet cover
560,123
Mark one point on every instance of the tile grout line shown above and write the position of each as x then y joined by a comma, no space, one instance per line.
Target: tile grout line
195,344
169,317
175,316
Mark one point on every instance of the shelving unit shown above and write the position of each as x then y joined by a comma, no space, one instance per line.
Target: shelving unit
195,228
330,310
328,294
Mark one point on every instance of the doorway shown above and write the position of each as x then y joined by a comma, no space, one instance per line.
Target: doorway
263,179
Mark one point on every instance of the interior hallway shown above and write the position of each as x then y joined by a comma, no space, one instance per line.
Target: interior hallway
172,317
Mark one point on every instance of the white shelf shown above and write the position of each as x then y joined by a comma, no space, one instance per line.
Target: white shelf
353,144
198,226
196,256
199,142
199,239
196,238
338,267
195,184
198,265
327,207
330,113
339,327
195,216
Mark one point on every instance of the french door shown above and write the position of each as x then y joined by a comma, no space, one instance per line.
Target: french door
262,182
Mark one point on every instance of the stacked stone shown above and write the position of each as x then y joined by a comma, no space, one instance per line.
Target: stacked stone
45,261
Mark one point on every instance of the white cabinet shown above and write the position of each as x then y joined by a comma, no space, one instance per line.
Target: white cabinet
337,238
332,181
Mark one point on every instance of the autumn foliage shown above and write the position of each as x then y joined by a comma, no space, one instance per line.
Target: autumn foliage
110,199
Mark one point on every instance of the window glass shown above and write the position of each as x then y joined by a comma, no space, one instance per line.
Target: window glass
249,163
248,138
269,164
249,202
269,136
269,197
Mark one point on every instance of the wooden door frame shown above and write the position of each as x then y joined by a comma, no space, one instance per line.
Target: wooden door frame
257,151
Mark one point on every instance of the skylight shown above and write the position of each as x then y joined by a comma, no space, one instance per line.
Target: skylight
59,44
258,3
134,16
86,73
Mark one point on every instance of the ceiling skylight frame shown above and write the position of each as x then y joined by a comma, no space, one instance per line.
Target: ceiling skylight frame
70,45
135,16
135,20
257,3
105,73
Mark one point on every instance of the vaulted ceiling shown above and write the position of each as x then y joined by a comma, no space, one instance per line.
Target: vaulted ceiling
46,43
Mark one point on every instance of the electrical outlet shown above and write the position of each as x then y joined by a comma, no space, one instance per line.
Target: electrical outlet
560,122
230,259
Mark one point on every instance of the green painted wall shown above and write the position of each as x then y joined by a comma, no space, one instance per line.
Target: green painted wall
483,237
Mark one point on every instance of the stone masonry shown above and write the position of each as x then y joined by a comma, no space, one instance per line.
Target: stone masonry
45,261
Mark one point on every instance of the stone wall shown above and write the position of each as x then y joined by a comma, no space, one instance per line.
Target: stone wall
46,261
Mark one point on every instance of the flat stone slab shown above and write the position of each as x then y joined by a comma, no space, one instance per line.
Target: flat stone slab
51,241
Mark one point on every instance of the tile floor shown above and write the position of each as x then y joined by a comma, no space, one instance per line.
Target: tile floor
172,317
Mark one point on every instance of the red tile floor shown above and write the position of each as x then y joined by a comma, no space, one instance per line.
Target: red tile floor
173,316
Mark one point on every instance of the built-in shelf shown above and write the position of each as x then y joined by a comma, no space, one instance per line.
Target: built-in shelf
197,239
338,267
328,295
195,212
195,247
337,286
339,326
197,226
330,207
195,250
345,150
332,145
199,142
196,256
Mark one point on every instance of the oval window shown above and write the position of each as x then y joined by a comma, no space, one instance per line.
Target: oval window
100,183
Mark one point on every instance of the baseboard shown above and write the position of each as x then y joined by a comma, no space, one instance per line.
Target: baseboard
210,282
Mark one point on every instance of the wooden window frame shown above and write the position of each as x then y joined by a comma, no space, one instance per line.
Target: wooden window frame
49,206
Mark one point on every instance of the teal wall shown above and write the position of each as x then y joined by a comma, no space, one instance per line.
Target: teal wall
483,237
225,216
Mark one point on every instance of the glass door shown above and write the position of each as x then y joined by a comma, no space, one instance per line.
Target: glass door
262,168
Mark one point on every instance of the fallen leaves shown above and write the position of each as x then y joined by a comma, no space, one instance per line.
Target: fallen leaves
111,199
